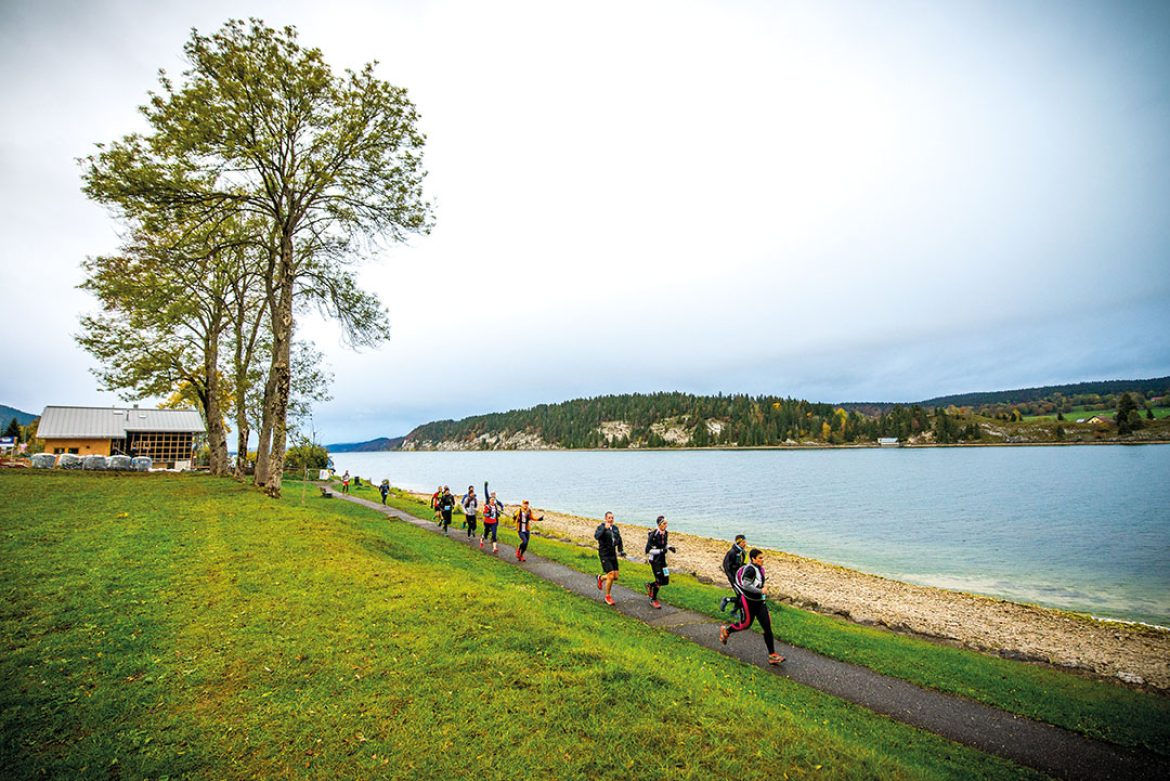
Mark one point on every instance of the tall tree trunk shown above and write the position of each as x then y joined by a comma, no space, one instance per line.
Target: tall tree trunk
242,434
280,373
264,436
245,344
276,270
216,432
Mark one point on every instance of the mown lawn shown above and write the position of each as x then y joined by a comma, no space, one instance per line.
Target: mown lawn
161,626
1091,707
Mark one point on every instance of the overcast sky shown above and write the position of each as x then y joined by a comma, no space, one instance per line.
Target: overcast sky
838,201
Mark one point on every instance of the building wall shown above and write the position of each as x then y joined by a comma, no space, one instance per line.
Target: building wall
84,447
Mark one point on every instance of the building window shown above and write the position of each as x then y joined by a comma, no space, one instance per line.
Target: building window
162,446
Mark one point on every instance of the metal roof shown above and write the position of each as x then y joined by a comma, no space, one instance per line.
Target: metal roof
114,422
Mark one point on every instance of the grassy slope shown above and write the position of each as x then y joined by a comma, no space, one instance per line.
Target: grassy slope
1160,413
163,625
1076,703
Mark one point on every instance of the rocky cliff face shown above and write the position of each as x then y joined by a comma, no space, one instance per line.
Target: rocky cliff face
520,440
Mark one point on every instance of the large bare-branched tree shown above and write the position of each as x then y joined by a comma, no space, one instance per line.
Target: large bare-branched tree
260,127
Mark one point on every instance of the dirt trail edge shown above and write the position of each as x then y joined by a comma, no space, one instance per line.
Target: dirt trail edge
1049,749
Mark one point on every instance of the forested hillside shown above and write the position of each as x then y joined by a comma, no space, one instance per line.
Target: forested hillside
685,420
1057,398
8,413
372,446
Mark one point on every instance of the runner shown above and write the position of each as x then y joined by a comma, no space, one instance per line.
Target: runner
446,507
470,507
609,546
435,504
384,489
491,521
345,482
732,561
523,518
749,584
656,548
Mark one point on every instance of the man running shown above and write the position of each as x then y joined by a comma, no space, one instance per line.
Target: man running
609,546
384,489
470,508
732,561
749,584
656,548
523,518
491,521
446,507
435,497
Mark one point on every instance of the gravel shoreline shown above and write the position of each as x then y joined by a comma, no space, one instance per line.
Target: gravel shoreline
1136,654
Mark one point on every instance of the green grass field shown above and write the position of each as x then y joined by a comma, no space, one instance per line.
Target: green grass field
1100,709
1160,413
163,626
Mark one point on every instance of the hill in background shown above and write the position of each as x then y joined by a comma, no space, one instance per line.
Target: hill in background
373,446
8,413
685,420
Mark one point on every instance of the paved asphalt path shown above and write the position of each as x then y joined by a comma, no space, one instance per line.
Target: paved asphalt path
1052,750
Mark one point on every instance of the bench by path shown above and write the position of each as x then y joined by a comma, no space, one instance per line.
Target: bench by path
1052,750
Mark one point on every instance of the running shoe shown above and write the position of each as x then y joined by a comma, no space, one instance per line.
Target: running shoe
724,634
608,599
522,558
518,553
481,544
654,603
650,590
775,659
599,577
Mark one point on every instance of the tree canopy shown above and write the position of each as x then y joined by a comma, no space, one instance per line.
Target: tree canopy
327,168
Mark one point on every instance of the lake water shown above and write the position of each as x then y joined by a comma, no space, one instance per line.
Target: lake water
1081,528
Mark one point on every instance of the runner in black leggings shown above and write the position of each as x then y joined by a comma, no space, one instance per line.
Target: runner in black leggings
523,518
749,584
732,561
491,522
657,544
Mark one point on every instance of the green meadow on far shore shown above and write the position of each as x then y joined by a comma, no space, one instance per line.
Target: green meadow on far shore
1077,413
172,625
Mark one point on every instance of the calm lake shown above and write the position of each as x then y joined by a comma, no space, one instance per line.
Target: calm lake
1081,528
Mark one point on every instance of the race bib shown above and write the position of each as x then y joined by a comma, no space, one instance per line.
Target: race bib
666,571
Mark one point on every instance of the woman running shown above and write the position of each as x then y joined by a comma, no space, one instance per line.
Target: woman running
491,521
470,508
656,548
749,584
446,507
523,518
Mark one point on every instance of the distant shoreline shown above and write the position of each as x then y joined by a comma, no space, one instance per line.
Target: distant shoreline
865,446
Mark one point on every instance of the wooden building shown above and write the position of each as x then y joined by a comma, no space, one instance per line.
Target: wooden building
167,436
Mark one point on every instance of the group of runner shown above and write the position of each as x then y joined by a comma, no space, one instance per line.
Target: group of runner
443,503
744,569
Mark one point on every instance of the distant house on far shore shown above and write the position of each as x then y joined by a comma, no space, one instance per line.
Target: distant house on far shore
166,435
888,442
1097,420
